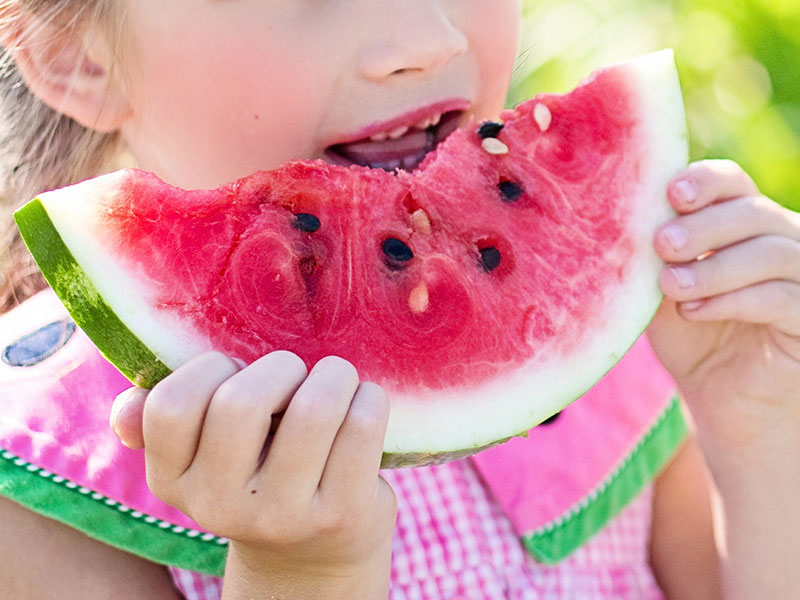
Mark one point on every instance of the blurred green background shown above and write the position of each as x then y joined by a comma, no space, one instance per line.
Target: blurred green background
739,62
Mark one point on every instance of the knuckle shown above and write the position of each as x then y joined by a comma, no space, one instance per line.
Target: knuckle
789,294
751,203
720,166
315,411
703,169
229,395
211,360
163,409
792,256
338,367
335,521
761,202
724,168
362,425
369,415
769,211
375,394
785,250
287,362
729,166
169,397
791,297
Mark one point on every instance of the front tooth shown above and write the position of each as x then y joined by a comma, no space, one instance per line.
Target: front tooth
380,137
435,120
398,133
423,124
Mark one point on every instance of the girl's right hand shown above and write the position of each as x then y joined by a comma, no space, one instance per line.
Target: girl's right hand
307,514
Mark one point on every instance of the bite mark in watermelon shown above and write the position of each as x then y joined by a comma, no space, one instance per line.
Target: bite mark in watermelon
485,290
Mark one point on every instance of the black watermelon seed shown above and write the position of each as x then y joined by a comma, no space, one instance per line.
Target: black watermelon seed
510,190
306,222
490,129
490,258
397,250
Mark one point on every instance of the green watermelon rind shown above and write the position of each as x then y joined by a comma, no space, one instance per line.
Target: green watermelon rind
80,297
397,460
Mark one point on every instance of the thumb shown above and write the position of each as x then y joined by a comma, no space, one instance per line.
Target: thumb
126,417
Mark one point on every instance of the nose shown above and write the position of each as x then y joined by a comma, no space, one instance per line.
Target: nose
411,36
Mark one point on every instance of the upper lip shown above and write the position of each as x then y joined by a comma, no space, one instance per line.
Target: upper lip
406,119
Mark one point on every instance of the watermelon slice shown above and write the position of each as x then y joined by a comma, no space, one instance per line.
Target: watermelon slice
485,290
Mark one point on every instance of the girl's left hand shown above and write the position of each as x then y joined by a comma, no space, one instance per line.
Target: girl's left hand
729,327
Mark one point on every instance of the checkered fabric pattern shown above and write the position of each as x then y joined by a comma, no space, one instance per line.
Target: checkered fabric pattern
452,542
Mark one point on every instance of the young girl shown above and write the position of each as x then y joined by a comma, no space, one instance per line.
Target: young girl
202,92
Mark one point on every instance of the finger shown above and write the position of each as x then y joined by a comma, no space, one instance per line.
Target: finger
748,263
355,459
174,414
721,225
240,414
775,303
126,417
303,440
709,181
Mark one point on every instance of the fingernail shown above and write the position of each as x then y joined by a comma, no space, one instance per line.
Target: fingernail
693,305
676,235
686,191
685,277
120,402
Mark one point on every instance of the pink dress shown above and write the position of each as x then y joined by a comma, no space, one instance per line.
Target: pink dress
564,513
453,542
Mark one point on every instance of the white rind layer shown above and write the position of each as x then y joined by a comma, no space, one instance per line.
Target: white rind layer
451,420
72,216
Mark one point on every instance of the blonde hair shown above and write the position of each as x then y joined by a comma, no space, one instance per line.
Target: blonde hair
40,149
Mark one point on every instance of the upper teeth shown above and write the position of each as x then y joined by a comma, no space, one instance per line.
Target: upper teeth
398,132
401,131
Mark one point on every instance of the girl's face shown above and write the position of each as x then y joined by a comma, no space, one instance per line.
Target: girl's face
223,88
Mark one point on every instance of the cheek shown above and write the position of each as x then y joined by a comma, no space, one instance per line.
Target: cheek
205,113
494,29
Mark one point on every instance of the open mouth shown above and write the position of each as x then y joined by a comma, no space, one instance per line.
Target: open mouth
403,148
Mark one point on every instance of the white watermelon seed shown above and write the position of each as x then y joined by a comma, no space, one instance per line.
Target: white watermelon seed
418,300
421,222
494,146
543,116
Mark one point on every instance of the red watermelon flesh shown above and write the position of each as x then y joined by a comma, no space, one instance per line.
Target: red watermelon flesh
483,290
